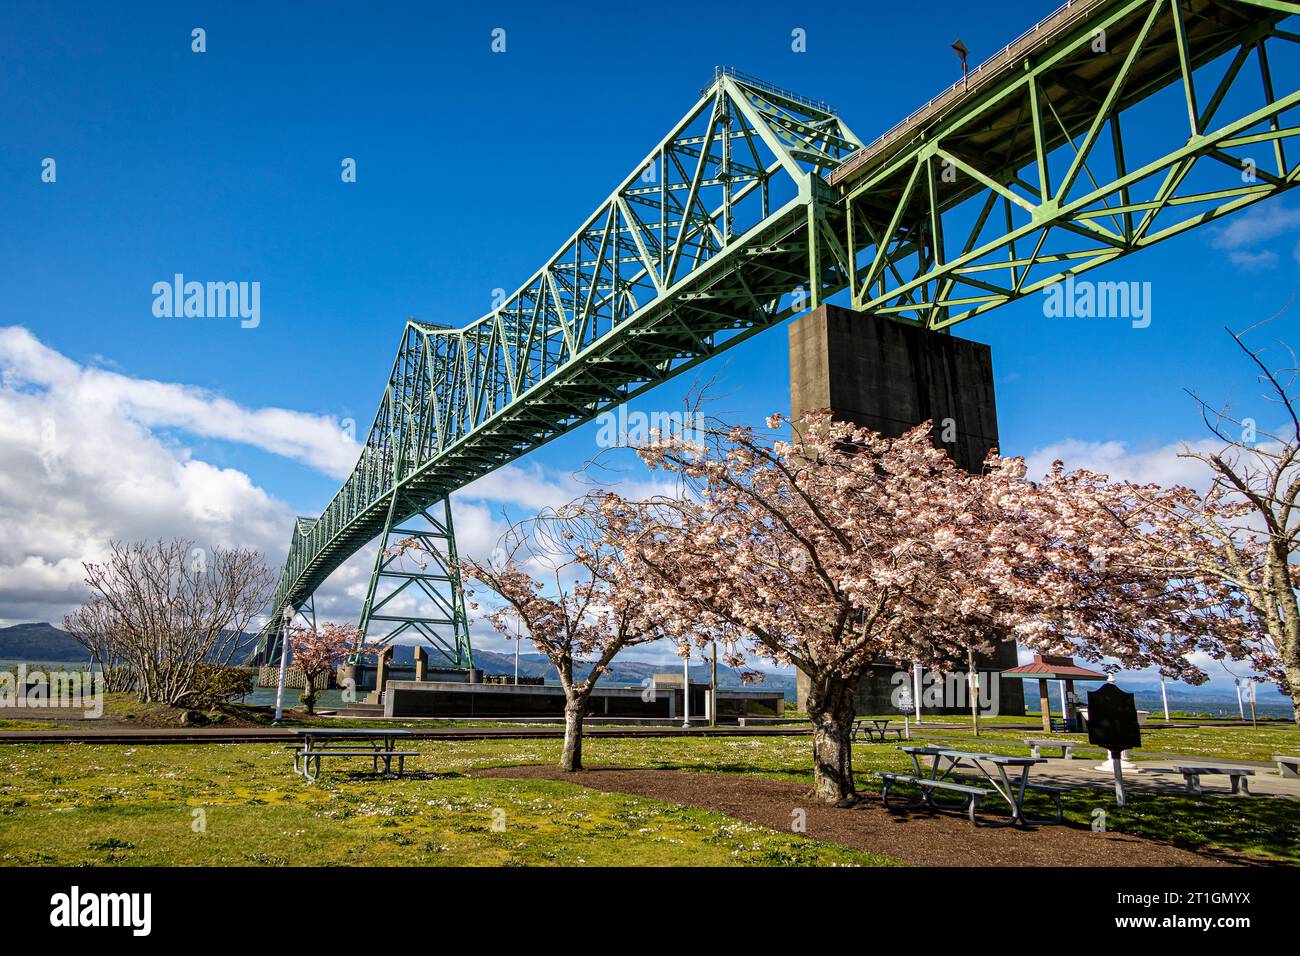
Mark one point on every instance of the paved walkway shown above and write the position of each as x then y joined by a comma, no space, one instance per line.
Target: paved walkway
1158,776
236,735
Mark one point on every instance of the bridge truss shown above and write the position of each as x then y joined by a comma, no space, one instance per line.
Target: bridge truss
760,203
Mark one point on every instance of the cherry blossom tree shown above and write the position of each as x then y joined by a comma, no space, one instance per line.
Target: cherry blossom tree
841,547
316,651
559,575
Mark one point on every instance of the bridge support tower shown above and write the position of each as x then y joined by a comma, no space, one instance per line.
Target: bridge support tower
415,585
889,376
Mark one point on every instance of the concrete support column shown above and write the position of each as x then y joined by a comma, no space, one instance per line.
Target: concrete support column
421,663
1045,703
890,377
382,665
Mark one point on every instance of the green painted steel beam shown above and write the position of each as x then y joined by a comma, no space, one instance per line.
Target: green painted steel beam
1030,140
760,203
618,309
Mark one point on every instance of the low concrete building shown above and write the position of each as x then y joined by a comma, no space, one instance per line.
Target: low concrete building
408,698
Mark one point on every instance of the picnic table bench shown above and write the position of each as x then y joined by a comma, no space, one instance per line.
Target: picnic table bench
944,762
928,784
1192,776
317,743
1288,766
1066,746
875,728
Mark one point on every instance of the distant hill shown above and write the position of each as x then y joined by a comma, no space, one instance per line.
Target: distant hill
46,644
39,643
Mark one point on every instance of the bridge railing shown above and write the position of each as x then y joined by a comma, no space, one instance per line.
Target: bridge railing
1041,33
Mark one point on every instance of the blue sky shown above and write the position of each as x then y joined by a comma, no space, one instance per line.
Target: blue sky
472,167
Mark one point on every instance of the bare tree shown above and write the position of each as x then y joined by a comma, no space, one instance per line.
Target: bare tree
1240,535
174,607
96,628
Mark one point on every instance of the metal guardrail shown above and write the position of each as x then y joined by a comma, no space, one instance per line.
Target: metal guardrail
1039,34
720,71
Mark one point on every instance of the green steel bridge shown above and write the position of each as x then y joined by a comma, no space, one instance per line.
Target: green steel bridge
1107,127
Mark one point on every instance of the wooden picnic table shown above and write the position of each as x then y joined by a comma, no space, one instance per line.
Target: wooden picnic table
945,760
376,743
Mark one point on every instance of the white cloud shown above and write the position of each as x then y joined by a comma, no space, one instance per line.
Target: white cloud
315,440
1257,225
81,467
1161,465
91,455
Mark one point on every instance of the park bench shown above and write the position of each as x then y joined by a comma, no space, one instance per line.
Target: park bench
314,756
1066,746
1288,766
971,793
1054,793
1236,775
1050,791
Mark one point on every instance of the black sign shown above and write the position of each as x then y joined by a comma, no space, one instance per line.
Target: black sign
1113,719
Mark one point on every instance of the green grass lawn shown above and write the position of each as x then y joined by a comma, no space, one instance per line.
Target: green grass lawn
97,804
112,804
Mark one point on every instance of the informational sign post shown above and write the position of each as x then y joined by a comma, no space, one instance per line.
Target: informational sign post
1113,726
904,706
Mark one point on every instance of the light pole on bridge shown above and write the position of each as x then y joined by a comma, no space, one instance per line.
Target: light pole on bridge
287,618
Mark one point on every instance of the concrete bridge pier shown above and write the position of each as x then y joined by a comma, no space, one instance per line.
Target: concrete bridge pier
890,377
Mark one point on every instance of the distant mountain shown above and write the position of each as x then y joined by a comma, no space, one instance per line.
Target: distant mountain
46,644
39,644
1201,701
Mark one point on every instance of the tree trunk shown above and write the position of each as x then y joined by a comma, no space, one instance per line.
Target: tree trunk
972,691
831,706
1293,678
574,711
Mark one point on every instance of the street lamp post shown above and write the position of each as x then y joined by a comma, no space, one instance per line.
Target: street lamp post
713,689
686,690
287,618
517,622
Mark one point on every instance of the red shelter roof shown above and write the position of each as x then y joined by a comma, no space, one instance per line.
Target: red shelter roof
1046,667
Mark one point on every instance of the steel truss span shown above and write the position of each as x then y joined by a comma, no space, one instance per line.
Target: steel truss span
760,203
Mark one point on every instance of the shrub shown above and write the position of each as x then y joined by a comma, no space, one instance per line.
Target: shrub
216,684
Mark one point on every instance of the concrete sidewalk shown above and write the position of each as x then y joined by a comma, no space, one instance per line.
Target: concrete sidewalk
247,735
1158,776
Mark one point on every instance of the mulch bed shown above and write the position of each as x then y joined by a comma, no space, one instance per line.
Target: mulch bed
920,837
